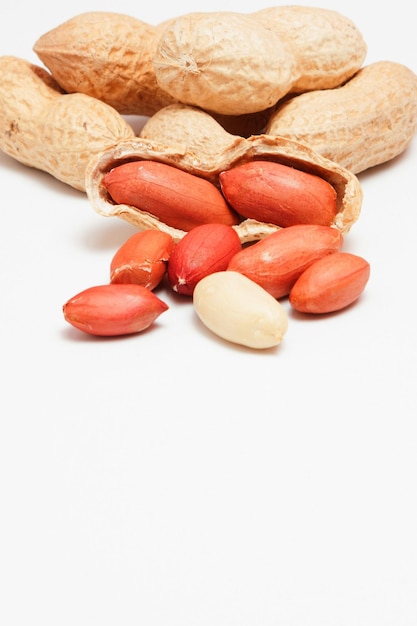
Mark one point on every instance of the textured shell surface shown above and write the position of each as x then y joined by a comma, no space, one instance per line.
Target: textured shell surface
76,127
52,131
328,46
367,121
224,62
24,91
190,127
106,55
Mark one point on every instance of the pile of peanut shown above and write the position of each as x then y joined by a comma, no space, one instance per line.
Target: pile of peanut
242,181
236,290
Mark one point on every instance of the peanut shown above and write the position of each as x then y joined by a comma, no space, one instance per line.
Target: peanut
203,250
238,310
369,120
279,259
198,55
357,116
108,56
142,259
283,195
330,284
327,46
184,157
226,62
43,128
192,130
233,64
178,198
113,309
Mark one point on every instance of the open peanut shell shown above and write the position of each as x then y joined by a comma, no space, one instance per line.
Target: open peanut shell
241,150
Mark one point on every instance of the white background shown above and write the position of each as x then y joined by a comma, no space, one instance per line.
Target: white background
171,479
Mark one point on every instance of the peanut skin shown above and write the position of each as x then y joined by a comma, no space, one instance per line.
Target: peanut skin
277,193
330,284
112,310
43,128
142,259
203,250
173,196
369,120
276,262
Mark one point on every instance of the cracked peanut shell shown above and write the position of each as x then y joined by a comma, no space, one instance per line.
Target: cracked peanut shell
208,166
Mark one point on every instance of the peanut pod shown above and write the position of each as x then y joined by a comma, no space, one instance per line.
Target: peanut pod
43,128
108,56
327,46
229,62
369,120
276,149
233,63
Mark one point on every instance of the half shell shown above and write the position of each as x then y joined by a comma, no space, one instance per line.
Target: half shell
280,150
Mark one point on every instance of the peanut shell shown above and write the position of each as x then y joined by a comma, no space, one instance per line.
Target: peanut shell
108,56
209,166
223,61
192,130
369,120
43,128
328,48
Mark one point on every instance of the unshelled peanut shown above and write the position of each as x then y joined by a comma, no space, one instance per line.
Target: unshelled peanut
327,46
228,62
106,55
43,128
193,130
198,55
233,63
249,71
240,311
368,121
